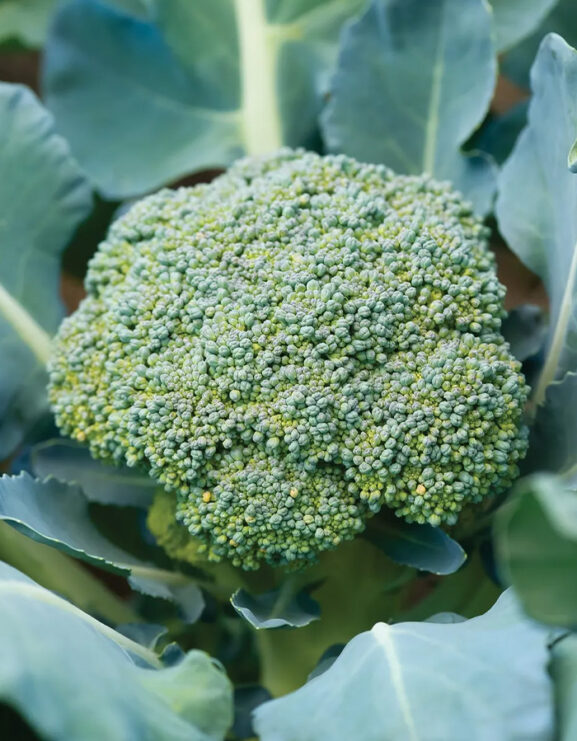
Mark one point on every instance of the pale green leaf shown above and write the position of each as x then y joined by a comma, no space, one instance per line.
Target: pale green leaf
194,87
413,81
481,680
56,514
72,677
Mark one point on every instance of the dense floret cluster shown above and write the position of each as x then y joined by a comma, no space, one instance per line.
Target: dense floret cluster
290,348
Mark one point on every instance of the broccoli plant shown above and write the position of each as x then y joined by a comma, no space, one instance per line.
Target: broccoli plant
293,347
297,458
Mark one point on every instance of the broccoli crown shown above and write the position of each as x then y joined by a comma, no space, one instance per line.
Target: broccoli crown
293,346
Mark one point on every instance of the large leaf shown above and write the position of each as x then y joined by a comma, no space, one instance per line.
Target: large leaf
43,197
481,679
515,19
564,673
56,514
537,214
199,86
413,81
561,19
537,548
71,677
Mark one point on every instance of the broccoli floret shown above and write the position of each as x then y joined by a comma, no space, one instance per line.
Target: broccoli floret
293,346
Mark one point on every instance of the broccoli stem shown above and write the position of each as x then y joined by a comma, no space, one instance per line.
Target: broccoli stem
55,571
25,326
362,587
258,65
359,587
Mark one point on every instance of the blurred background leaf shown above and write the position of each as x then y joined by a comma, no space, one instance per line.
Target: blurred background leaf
43,196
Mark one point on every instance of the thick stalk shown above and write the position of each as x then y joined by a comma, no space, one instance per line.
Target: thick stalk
25,326
258,47
353,597
364,587
33,591
55,571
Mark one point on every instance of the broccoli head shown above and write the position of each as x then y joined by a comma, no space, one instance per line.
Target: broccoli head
293,346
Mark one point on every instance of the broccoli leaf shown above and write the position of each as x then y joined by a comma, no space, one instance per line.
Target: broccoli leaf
56,514
279,608
537,547
479,679
561,19
564,672
101,482
537,214
413,81
112,117
516,19
201,85
43,197
53,652
423,547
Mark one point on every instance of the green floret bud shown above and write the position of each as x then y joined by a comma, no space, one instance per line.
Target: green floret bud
171,534
292,347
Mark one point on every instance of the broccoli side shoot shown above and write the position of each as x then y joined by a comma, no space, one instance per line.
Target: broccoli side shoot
292,347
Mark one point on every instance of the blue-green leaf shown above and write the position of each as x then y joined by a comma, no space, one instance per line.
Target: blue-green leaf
537,214
56,514
561,19
481,679
413,81
43,197
194,87
102,482
132,116
536,538
423,547
72,677
516,19
276,609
